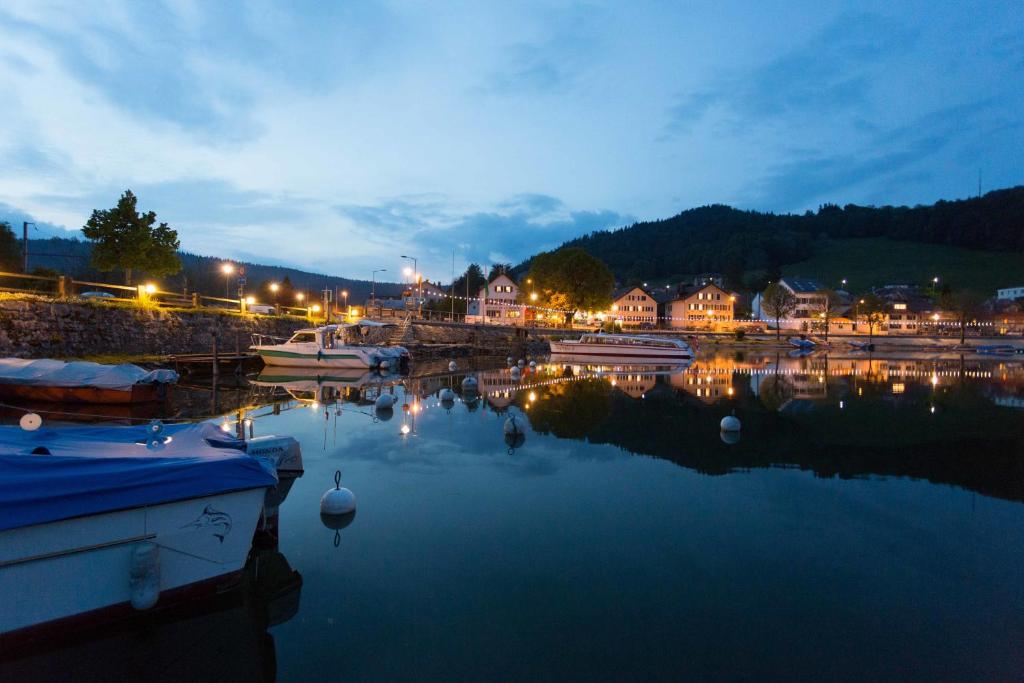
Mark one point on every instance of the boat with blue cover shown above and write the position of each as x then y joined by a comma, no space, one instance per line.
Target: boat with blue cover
96,521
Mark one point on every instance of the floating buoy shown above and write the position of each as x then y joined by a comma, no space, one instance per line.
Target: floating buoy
521,363
730,423
446,394
384,402
384,365
469,384
337,501
533,364
509,360
730,438
515,372
30,422
514,425
452,366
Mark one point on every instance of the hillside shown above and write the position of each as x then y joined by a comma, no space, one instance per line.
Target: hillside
199,273
750,247
878,261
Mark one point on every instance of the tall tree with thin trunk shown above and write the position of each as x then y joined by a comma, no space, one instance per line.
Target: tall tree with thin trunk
965,305
827,308
125,239
778,302
873,309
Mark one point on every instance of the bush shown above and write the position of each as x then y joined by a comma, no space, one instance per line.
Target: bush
740,334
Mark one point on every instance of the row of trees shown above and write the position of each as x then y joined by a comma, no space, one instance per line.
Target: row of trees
779,302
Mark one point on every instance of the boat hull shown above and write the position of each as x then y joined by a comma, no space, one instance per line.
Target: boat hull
77,570
349,358
138,393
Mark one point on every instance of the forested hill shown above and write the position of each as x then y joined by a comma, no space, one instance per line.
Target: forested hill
199,273
750,246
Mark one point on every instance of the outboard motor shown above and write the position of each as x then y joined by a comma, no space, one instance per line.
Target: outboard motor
283,451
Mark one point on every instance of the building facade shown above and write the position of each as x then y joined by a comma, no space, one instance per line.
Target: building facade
708,306
634,307
1010,293
496,303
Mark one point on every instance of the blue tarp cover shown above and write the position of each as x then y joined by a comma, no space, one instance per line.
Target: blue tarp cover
89,470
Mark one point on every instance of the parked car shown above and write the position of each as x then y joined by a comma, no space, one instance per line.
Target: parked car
265,309
96,295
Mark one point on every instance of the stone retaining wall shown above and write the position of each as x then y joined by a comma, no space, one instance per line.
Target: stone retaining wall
35,327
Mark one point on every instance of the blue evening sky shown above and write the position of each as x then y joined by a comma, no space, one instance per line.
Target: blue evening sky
337,135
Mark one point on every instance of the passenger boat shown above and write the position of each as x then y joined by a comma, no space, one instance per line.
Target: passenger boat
98,521
82,382
600,347
325,347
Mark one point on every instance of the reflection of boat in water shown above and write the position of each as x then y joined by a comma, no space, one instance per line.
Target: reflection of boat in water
801,343
326,347
633,348
97,520
224,637
82,382
316,385
998,349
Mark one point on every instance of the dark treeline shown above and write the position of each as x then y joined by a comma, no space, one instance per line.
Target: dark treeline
749,247
201,274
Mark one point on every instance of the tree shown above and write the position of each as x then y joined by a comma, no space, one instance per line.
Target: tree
827,308
123,238
499,269
873,309
570,280
10,251
778,302
965,305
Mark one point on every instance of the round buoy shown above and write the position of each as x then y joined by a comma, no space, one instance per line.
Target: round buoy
533,364
446,394
515,373
469,384
514,425
453,366
730,438
384,402
521,363
337,501
730,423
30,422
384,365
509,360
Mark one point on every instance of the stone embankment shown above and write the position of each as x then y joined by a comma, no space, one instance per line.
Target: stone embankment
35,327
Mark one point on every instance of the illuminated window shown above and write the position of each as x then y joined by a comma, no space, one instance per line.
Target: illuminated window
898,388
900,307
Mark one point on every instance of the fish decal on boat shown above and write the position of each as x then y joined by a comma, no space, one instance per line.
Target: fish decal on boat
212,518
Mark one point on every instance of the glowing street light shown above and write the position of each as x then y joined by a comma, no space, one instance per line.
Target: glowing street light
274,287
299,296
150,288
407,271
250,300
227,269
533,296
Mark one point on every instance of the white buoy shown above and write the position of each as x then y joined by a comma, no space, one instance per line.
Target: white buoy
30,422
730,438
337,501
469,384
521,363
509,360
515,372
533,364
514,425
384,365
384,402
453,366
446,394
730,423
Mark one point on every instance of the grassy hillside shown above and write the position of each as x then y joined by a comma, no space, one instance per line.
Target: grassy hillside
872,261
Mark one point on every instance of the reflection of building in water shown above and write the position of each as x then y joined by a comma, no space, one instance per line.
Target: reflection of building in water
635,385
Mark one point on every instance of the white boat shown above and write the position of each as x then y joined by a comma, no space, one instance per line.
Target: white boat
96,521
599,347
324,347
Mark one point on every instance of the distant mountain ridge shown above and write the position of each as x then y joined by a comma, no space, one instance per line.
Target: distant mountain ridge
750,247
199,273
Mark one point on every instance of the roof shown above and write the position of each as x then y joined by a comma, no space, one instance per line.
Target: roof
623,291
801,285
690,290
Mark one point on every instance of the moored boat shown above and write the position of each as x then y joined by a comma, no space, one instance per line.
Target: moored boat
97,521
325,347
82,382
802,343
600,347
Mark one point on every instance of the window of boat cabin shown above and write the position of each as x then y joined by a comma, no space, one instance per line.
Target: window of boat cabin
301,337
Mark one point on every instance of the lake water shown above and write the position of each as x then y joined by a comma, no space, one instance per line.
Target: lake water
867,524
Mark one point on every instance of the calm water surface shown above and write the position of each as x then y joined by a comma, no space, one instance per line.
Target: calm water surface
867,523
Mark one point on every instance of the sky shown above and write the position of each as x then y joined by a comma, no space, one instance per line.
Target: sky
338,136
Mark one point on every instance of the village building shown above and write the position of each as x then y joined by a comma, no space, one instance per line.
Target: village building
706,306
634,307
497,303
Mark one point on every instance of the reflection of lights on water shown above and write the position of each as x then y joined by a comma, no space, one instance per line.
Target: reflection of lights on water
841,405
860,391
533,396
730,391
614,382
405,430
935,379
314,405
225,427
933,410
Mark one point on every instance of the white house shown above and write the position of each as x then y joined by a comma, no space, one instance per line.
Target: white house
495,303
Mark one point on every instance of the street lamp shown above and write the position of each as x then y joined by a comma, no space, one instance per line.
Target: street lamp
344,293
227,269
373,285
533,296
419,286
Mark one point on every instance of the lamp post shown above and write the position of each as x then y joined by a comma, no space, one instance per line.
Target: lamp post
344,293
419,280
373,285
856,314
227,269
